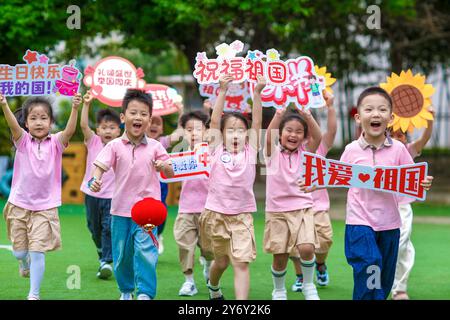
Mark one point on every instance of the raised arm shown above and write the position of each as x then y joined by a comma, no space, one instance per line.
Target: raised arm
178,132
330,134
13,124
257,111
71,126
84,121
314,129
218,109
420,143
273,127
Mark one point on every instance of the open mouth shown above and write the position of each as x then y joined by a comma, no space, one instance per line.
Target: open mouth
137,125
375,124
293,141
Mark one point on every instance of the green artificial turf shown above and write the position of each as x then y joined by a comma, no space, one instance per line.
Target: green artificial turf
78,253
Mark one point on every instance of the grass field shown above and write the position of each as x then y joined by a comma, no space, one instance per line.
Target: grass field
429,278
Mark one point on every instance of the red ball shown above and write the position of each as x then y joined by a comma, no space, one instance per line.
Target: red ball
149,211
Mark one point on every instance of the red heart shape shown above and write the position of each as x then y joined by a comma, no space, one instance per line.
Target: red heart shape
364,177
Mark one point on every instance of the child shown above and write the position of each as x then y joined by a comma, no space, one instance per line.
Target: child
289,219
98,205
191,204
406,252
155,131
230,201
31,212
373,220
321,207
135,160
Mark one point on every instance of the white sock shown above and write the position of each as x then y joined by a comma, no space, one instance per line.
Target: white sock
189,277
278,278
37,268
308,270
22,257
206,266
214,291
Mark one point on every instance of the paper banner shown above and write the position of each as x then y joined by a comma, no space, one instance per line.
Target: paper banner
402,180
189,165
411,97
38,77
236,98
294,80
164,99
110,78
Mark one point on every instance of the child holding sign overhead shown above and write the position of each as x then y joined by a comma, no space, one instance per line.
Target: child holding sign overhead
98,205
31,212
373,220
193,195
230,201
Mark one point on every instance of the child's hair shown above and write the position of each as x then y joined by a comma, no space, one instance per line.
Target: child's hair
108,115
237,115
20,118
294,116
32,102
197,115
374,90
139,95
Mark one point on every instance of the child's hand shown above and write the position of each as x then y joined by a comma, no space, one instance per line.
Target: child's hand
282,110
76,101
179,106
95,185
261,83
88,97
426,183
329,98
305,113
432,111
224,82
303,188
159,165
3,100
207,105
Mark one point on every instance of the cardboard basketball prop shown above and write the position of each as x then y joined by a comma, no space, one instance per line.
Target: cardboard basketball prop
149,213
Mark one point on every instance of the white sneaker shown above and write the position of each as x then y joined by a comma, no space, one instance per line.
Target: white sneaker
126,296
105,271
143,296
278,294
32,297
188,289
205,268
161,245
310,292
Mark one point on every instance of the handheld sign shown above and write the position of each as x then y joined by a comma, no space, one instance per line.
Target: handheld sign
189,165
110,78
235,99
39,77
164,99
402,180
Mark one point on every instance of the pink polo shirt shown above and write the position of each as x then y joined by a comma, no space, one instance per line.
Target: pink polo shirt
414,154
284,169
376,209
36,182
135,176
320,197
193,196
94,146
231,181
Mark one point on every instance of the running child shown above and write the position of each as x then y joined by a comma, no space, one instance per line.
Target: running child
31,212
135,160
98,205
372,230
192,202
227,220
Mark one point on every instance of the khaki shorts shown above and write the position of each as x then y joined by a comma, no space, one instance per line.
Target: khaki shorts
284,231
32,230
229,235
324,231
186,231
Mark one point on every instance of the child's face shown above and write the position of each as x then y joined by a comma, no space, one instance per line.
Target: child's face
155,129
108,130
400,136
373,115
194,132
234,134
136,118
38,121
292,135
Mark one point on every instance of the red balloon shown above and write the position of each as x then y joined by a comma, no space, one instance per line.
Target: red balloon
149,211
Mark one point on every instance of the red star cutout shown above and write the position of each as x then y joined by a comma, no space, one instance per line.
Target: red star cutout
30,56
